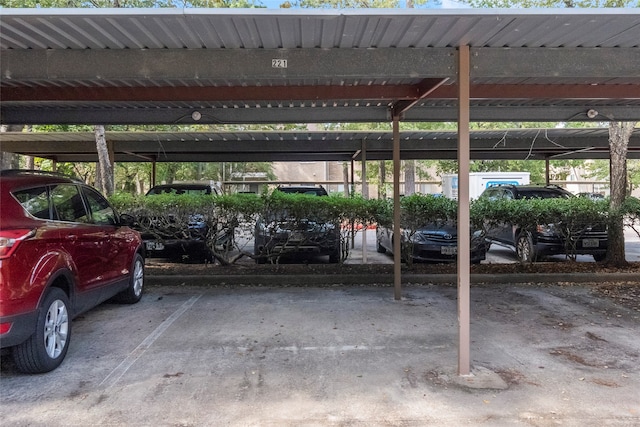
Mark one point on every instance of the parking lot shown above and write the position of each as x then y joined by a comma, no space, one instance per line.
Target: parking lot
340,355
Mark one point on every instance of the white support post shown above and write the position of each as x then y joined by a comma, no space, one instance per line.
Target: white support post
464,236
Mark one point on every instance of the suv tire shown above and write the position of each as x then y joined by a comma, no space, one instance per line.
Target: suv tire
46,348
525,251
599,257
334,257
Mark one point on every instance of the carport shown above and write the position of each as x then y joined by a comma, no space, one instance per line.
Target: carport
344,146
231,66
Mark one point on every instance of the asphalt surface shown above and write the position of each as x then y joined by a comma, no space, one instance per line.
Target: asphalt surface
340,356
326,354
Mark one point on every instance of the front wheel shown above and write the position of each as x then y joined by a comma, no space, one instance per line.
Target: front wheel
46,348
334,257
133,293
525,251
599,257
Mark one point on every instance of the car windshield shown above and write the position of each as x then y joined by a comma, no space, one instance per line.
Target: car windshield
308,191
179,190
542,195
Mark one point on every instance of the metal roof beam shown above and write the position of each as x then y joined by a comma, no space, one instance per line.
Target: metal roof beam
603,63
200,65
425,88
428,88
309,114
321,65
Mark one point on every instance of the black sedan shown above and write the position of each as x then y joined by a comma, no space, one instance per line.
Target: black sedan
434,242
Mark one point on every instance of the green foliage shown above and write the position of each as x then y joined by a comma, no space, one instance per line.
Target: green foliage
168,216
566,218
630,212
124,202
572,213
418,210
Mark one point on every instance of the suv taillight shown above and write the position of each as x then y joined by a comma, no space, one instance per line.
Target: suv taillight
10,239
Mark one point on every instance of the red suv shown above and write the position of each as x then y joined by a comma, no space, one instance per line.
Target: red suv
63,250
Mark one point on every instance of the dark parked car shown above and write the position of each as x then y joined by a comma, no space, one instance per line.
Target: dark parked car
531,245
592,196
170,237
196,188
63,250
280,235
435,242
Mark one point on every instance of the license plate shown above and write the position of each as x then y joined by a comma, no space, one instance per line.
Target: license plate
448,250
154,246
590,243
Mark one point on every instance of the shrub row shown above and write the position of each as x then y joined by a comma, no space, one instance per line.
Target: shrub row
239,213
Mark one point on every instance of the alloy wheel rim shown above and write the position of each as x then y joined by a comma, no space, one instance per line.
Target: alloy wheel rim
56,329
138,278
524,250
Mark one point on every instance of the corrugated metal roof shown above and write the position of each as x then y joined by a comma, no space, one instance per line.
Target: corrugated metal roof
532,144
312,29
89,52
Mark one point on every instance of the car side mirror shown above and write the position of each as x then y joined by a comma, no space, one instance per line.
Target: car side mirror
127,220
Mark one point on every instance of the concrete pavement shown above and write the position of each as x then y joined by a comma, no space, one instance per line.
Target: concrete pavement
340,356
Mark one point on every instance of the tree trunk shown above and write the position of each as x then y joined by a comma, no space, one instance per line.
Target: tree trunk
106,171
172,170
345,178
619,134
409,177
382,192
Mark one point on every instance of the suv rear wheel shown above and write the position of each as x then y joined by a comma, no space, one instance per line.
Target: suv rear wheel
133,293
45,349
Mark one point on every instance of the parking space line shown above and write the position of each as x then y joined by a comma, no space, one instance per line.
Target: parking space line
124,366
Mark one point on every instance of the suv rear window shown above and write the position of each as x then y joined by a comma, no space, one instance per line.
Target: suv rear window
68,204
308,191
538,194
35,201
179,190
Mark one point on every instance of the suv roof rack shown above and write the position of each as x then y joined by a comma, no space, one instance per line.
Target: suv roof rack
18,172
300,185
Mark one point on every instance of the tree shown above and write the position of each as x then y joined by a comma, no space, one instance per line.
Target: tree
409,177
619,134
105,181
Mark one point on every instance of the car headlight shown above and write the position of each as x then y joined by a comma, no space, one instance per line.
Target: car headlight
547,230
418,238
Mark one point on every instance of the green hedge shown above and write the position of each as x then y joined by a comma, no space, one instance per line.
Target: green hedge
239,212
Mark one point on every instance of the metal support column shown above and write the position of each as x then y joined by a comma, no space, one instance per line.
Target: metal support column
365,195
397,258
464,235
